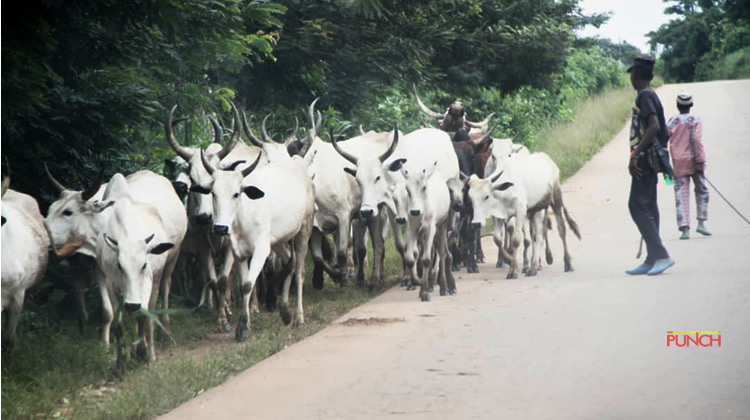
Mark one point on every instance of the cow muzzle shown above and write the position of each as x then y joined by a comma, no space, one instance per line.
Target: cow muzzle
204,219
401,220
132,307
221,230
366,213
459,207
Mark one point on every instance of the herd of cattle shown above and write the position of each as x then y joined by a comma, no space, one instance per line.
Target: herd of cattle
239,206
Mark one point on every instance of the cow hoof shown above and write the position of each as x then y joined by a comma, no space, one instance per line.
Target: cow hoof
424,297
405,282
286,314
456,267
226,327
372,287
431,289
549,259
242,333
443,292
480,260
524,270
499,264
472,269
511,276
569,269
452,291
530,273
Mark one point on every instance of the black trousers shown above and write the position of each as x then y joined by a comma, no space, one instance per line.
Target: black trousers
645,211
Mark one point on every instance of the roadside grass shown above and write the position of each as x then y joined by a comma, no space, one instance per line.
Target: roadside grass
597,120
55,373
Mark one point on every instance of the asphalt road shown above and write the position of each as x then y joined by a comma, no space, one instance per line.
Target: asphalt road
583,345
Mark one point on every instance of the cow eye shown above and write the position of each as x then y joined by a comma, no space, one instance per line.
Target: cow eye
236,195
424,188
67,212
119,266
144,267
487,197
377,178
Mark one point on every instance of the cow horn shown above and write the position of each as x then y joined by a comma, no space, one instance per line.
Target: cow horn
486,136
181,151
249,169
217,129
481,125
210,169
254,140
235,134
312,130
263,132
6,184
424,108
361,130
495,177
392,147
94,188
462,176
319,122
58,186
293,137
343,154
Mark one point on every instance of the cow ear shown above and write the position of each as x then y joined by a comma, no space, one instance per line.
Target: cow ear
502,187
147,240
396,165
253,192
161,248
350,171
111,242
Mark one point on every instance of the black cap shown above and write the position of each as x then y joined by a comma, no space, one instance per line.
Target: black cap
645,61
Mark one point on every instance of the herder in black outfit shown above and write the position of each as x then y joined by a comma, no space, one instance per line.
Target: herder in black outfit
647,125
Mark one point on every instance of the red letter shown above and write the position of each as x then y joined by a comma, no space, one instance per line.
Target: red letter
671,337
716,340
701,340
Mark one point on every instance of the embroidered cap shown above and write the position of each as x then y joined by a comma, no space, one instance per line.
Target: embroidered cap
684,99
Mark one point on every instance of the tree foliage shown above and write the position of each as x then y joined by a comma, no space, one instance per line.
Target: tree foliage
701,35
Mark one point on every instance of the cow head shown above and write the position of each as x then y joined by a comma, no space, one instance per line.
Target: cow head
226,191
416,180
489,197
200,208
129,267
70,218
375,176
458,187
501,152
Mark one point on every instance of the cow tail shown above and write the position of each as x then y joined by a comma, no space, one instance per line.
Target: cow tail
572,223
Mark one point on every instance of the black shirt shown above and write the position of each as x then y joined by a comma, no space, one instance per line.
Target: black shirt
646,103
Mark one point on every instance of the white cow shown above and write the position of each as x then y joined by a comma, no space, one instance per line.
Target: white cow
201,241
525,188
136,251
274,206
24,257
77,220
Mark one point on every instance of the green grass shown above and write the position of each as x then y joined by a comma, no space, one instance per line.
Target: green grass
597,120
55,373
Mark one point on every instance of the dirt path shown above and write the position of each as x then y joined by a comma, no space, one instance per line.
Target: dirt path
583,345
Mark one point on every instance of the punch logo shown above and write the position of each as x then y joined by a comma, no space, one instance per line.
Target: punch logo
695,338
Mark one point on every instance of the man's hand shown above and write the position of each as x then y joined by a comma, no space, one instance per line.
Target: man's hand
635,171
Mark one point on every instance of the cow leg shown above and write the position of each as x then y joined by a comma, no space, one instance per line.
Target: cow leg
82,264
166,284
527,234
109,306
547,227
479,250
299,252
360,247
499,238
14,306
429,239
398,240
471,248
515,241
248,276
536,225
342,246
223,288
147,336
557,208
374,227
442,251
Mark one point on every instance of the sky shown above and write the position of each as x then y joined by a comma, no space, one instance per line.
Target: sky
630,21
